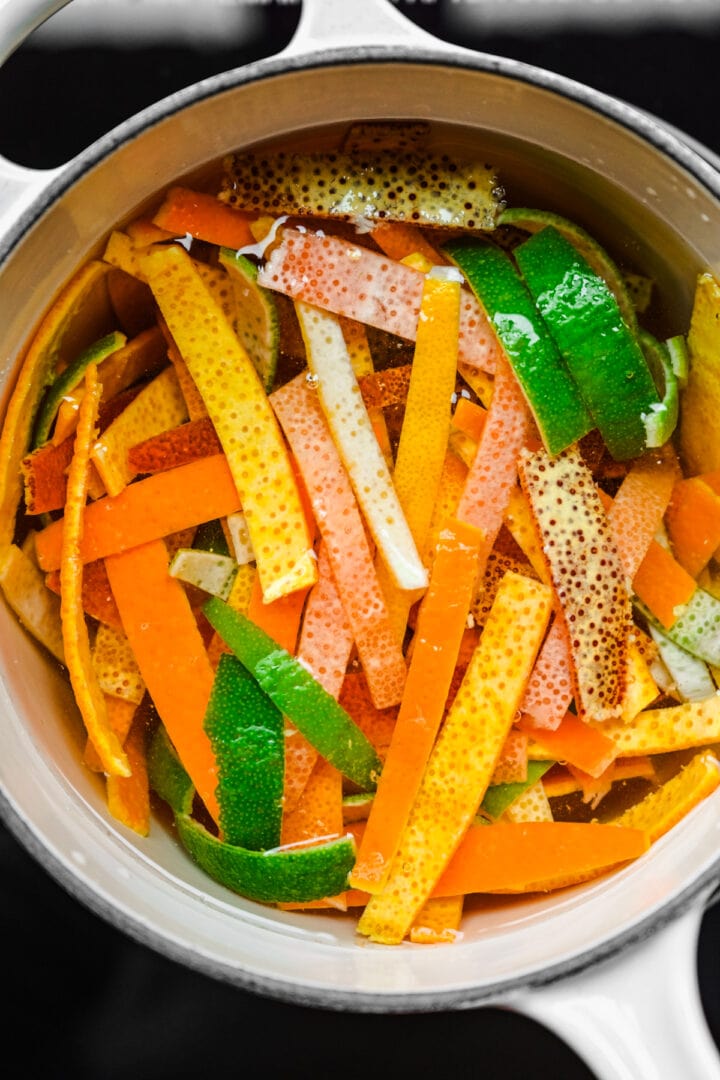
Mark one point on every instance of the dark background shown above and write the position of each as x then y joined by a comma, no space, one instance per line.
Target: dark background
84,1002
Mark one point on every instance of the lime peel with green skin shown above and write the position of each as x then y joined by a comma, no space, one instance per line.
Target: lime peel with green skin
247,734
661,421
298,695
290,875
500,796
532,220
697,627
551,393
603,355
68,380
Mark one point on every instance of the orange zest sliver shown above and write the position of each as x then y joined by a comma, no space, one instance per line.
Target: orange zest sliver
536,856
662,584
86,293
438,922
399,239
128,797
583,745
204,217
341,525
693,523
467,750
243,419
148,510
121,714
281,618
442,618
174,447
170,653
76,642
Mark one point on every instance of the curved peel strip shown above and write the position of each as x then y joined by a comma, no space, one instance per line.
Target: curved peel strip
78,657
87,291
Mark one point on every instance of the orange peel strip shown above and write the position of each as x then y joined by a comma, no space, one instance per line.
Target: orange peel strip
441,624
170,653
586,746
341,525
438,922
78,656
350,280
86,292
467,750
244,421
188,442
158,407
115,665
666,805
658,731
537,856
128,797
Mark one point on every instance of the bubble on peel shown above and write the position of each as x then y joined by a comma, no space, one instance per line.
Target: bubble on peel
312,381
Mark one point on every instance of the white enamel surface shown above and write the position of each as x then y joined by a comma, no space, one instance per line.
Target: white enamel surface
595,167
636,1017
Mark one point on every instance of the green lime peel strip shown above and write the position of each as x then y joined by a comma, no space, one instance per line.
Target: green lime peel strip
68,380
284,875
500,796
247,735
603,355
299,696
549,389
696,628
661,421
532,220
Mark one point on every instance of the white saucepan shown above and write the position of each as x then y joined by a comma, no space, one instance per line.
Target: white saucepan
609,966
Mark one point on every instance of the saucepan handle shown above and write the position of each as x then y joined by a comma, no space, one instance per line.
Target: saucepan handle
323,25
328,24
20,186
638,1015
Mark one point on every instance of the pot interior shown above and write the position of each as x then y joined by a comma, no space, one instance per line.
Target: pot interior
552,149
